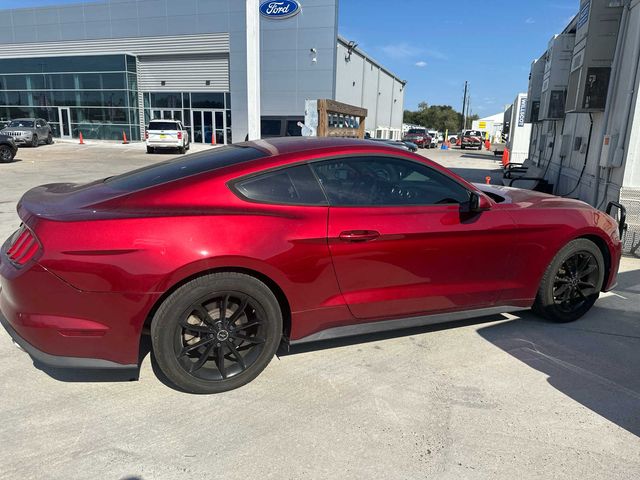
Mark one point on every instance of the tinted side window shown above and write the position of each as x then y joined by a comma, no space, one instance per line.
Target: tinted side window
294,185
378,181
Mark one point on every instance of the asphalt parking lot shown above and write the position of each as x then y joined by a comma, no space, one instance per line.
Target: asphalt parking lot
499,397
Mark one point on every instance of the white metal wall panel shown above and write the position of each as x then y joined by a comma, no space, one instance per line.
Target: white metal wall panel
184,73
194,44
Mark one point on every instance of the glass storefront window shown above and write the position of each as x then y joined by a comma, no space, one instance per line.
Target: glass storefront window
14,82
131,63
166,100
92,63
207,100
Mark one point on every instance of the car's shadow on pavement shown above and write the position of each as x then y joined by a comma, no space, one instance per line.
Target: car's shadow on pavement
594,361
387,335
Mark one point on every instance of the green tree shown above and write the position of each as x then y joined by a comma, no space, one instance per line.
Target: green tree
439,117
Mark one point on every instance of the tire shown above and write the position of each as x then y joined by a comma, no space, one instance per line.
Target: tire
572,282
49,139
181,150
6,154
462,147
150,150
191,315
188,147
34,141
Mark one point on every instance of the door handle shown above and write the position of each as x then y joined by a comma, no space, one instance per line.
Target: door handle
359,235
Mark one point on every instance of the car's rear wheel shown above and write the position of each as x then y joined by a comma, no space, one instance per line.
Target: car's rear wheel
49,139
150,150
181,150
572,282
216,332
6,154
34,141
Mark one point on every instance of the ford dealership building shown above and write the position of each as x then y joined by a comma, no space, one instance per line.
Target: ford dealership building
102,68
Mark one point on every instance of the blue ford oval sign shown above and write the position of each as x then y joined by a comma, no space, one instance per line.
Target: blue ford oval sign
278,9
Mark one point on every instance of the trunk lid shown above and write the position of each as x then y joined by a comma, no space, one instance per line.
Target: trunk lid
65,201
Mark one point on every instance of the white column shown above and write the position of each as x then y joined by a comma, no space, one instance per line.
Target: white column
253,69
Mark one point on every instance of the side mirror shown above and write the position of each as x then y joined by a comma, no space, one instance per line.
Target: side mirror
477,203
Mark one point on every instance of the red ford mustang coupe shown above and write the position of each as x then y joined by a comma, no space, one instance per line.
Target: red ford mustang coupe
222,255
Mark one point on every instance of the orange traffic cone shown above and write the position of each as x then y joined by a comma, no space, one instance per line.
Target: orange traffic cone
213,138
505,157
81,139
124,138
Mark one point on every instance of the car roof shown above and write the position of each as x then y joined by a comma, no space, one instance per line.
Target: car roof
289,145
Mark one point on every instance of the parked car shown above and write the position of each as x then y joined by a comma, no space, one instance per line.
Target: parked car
227,253
8,148
418,136
163,134
471,139
434,138
395,143
29,131
411,146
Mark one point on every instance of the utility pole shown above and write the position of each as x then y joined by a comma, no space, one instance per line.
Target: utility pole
468,115
464,106
253,69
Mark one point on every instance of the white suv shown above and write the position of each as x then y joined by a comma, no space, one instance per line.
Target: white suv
166,134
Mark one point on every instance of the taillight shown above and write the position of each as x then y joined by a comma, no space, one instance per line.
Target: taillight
146,135
179,135
24,247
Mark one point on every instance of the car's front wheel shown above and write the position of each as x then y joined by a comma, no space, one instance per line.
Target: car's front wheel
34,141
49,139
216,332
6,154
572,282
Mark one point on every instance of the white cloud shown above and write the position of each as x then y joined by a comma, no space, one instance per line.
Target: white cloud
405,50
401,50
530,21
421,64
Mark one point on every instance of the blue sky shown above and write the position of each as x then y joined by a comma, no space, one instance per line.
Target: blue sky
436,46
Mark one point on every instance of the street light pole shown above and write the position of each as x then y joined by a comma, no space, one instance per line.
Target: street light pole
253,69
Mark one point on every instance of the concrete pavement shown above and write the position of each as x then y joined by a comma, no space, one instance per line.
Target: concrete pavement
499,397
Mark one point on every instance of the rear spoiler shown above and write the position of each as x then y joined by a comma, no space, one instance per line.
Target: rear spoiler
620,216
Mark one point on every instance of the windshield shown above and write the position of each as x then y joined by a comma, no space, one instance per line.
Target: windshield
21,123
416,131
475,133
163,126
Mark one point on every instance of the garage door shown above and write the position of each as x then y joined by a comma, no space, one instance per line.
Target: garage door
184,72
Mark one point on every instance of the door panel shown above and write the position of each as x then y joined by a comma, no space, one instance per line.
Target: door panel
423,260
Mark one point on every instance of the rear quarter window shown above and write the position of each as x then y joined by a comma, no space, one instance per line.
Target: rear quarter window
290,186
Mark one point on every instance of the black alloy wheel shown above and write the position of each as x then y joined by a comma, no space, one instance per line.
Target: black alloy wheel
220,336
572,282
575,281
216,332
